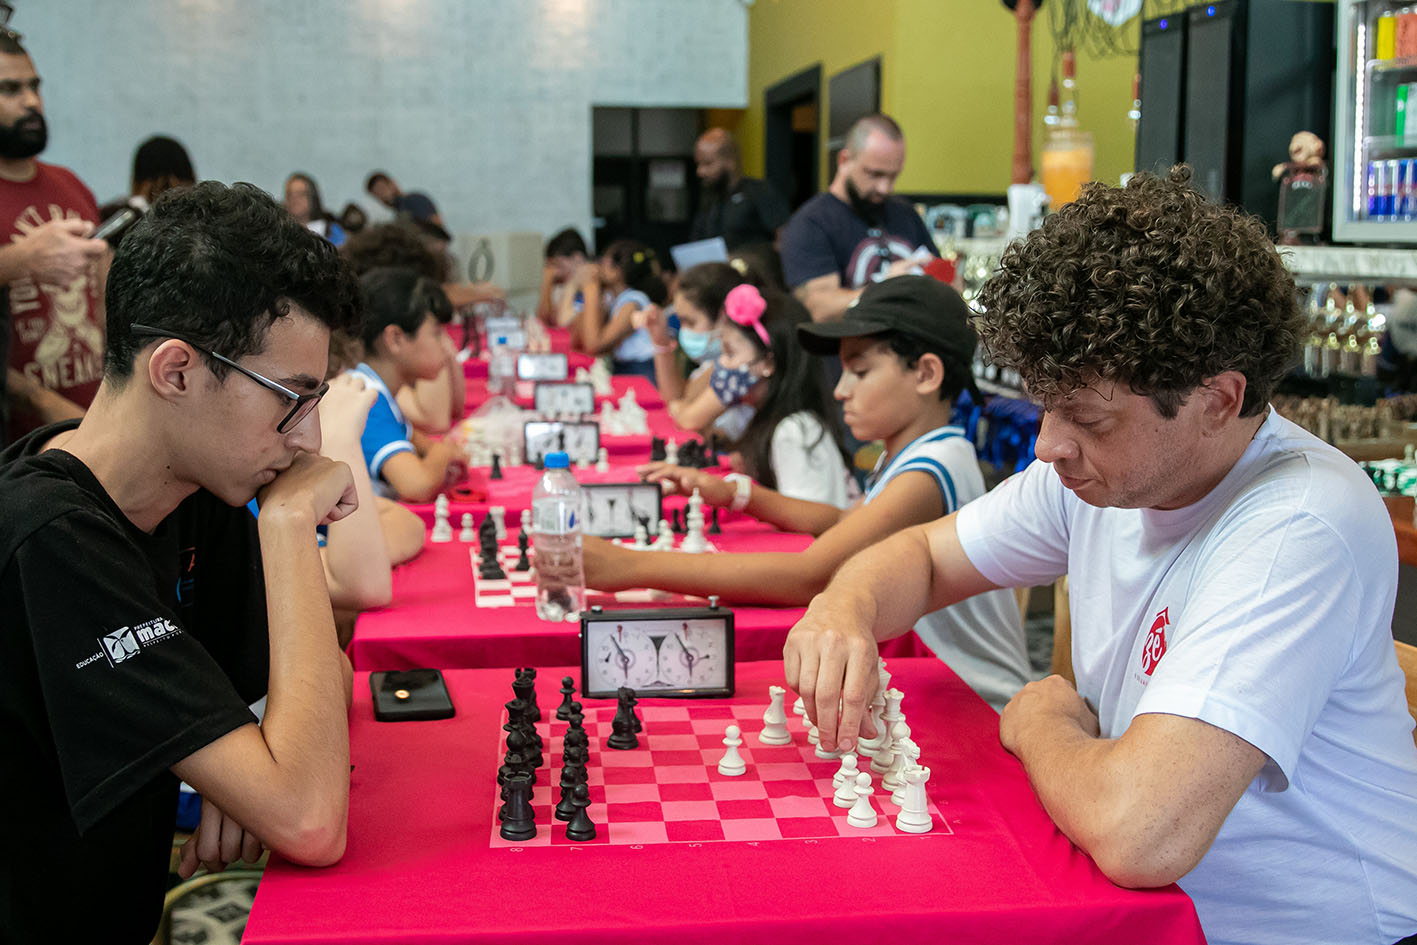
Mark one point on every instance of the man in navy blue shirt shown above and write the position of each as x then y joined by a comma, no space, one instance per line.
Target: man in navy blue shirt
857,232
417,207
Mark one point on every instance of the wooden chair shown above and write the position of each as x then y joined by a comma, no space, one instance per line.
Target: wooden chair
1407,659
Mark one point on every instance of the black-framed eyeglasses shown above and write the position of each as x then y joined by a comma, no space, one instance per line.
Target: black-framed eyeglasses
301,404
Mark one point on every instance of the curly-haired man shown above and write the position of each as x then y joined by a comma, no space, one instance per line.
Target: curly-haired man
144,608
1239,724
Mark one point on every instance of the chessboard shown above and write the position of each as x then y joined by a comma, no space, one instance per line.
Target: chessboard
519,587
669,789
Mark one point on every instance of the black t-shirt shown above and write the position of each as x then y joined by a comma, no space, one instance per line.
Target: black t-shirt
826,236
749,216
121,653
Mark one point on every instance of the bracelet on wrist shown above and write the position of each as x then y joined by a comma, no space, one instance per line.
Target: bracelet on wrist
742,491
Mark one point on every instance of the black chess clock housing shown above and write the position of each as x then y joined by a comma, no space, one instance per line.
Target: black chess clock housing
684,652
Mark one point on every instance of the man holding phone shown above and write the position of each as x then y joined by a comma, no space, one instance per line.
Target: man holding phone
52,270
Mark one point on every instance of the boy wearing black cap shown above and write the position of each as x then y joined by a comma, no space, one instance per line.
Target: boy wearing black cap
906,347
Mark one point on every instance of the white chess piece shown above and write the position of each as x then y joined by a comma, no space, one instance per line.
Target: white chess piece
602,462
732,763
847,772
665,541
914,816
814,737
671,452
900,740
499,518
911,753
869,746
775,720
892,715
799,707
526,521
823,753
467,533
442,530
641,536
694,541
862,814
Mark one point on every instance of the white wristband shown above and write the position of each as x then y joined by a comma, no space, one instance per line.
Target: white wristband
742,491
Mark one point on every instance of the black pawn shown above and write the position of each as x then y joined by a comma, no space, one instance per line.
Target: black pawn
518,819
580,827
523,563
496,472
713,528
568,692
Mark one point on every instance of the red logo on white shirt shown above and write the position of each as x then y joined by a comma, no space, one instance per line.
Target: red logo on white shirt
1155,642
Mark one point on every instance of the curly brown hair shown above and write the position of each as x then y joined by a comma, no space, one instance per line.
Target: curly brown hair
1150,285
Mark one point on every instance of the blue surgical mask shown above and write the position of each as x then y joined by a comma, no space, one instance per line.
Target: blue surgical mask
731,385
700,346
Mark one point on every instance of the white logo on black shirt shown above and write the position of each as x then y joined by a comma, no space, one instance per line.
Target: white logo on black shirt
121,644
127,642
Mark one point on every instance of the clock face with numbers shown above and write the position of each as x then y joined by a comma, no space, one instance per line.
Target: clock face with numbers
542,367
555,399
578,439
679,652
613,508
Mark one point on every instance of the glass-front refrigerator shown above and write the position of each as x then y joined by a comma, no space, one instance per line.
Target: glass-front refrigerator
1375,151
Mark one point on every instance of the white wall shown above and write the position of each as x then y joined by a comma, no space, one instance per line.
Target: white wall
483,104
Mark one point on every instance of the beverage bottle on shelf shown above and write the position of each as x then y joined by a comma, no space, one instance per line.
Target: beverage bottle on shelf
1385,40
1405,33
556,504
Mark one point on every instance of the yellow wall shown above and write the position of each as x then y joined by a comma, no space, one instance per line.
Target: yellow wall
947,75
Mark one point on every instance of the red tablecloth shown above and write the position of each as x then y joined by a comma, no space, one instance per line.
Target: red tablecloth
560,341
434,621
421,866
646,394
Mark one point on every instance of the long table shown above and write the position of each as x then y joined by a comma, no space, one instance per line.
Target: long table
424,863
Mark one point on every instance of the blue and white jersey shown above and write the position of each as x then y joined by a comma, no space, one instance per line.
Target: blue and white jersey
386,432
638,346
944,454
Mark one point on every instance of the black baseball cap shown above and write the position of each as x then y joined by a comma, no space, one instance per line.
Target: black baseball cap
921,307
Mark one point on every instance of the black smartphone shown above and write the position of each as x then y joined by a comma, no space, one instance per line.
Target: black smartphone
115,226
410,695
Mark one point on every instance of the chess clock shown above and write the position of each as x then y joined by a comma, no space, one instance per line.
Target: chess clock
579,439
679,652
543,367
613,508
555,399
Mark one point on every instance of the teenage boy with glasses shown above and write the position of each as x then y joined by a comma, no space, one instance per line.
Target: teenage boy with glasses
143,607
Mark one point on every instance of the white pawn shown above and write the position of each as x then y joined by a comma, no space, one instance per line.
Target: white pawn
442,530
602,463
914,816
671,452
862,814
732,763
900,739
823,753
641,536
799,707
440,504
665,541
847,772
813,736
467,533
526,521
775,720
911,753
499,518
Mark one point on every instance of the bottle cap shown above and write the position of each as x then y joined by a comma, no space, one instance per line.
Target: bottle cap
557,460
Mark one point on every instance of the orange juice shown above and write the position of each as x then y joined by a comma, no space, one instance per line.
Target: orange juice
1065,165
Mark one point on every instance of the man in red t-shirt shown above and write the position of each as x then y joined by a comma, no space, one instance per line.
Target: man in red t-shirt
53,273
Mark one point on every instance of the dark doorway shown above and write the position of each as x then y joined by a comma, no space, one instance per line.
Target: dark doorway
642,176
792,145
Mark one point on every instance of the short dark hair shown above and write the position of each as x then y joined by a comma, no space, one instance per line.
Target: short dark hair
568,242
218,265
374,178
957,375
392,244
395,295
1149,285
10,43
159,164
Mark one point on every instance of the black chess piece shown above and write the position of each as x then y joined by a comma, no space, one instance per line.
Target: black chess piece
496,472
523,562
511,764
580,827
631,700
491,569
524,685
524,746
676,521
714,528
624,726
573,772
713,450
576,734
657,449
568,691
518,819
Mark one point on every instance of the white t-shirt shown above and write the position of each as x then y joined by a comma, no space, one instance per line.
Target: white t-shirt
981,638
1264,609
805,460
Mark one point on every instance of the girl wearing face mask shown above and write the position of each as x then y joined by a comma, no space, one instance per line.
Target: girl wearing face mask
698,306
793,443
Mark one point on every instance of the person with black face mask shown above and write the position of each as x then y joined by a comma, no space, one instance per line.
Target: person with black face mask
858,232
53,331
745,211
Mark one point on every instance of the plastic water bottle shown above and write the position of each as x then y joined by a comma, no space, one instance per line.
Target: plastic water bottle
502,365
556,539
